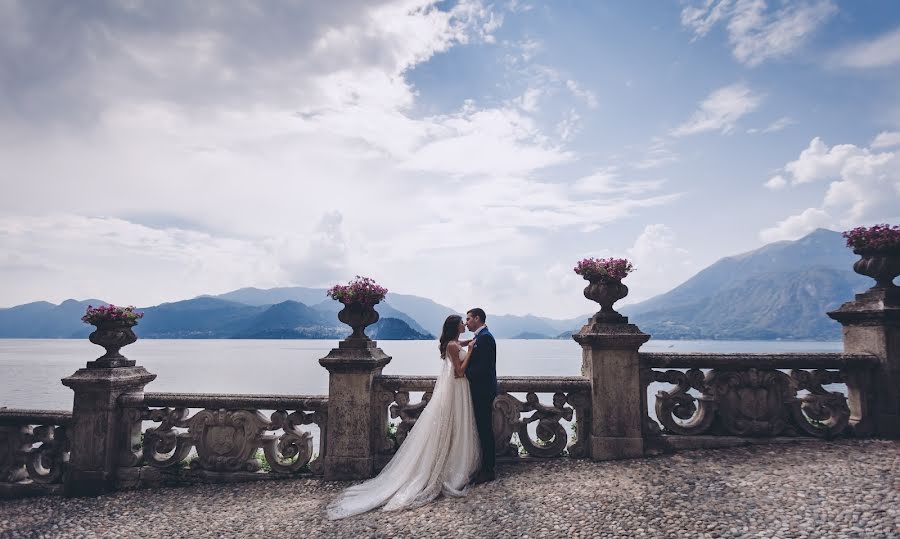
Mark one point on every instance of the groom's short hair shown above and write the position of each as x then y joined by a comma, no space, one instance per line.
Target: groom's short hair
479,312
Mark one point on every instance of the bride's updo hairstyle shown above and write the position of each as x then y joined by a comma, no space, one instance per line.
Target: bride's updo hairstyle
449,333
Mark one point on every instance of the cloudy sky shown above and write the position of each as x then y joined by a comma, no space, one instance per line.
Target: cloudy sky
467,151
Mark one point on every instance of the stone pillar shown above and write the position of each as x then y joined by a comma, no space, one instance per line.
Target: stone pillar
352,432
97,433
618,399
872,326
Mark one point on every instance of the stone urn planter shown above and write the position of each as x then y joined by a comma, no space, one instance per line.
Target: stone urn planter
358,316
113,335
606,291
881,265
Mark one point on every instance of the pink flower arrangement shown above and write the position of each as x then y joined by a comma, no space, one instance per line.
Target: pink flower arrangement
108,313
360,290
604,268
874,238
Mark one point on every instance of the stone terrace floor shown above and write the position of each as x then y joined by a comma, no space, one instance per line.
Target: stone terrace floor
848,488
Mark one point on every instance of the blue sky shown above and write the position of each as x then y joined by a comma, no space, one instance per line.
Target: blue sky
466,151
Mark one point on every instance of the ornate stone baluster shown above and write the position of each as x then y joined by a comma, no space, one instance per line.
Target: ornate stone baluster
408,413
45,463
15,442
678,403
292,450
552,437
227,440
821,413
506,419
751,402
384,400
164,447
581,402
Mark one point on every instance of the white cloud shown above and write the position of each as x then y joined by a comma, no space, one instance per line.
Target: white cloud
778,125
721,110
528,101
818,162
569,126
589,98
755,32
199,150
797,226
498,142
863,188
608,181
776,183
887,139
657,155
882,51
126,263
659,263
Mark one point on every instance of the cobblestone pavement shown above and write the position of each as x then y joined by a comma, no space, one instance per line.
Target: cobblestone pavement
848,488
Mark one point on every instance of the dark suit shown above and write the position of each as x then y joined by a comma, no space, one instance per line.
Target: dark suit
482,375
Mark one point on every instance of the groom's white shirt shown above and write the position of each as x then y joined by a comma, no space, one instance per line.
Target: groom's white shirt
479,330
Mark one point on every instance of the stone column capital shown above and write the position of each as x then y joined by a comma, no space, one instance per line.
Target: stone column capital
874,307
355,359
601,336
109,379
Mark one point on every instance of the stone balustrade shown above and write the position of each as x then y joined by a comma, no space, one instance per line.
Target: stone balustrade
756,396
569,400
208,436
34,450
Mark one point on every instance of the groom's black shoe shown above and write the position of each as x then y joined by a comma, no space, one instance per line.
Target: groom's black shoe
484,477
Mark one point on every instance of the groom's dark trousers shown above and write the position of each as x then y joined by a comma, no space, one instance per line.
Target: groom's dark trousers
482,375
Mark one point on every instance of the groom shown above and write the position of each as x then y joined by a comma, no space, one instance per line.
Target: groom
482,375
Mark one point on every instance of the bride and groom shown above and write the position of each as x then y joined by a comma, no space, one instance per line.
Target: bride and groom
451,445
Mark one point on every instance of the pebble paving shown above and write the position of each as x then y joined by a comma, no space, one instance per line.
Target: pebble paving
839,489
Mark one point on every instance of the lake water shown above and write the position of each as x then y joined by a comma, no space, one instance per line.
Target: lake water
31,369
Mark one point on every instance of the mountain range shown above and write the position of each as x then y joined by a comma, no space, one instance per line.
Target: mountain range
779,291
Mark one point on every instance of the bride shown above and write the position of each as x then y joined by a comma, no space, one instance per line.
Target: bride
441,452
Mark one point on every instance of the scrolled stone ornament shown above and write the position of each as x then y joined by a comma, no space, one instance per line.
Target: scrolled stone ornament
164,447
505,419
753,402
581,403
821,413
292,450
46,463
15,442
678,411
227,440
408,413
552,436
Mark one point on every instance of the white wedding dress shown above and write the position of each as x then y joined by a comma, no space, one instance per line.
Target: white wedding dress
439,455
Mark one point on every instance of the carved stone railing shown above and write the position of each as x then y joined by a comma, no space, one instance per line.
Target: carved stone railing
226,432
758,395
570,399
34,448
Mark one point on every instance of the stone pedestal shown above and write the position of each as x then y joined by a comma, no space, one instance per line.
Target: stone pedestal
618,400
872,326
98,431
352,432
